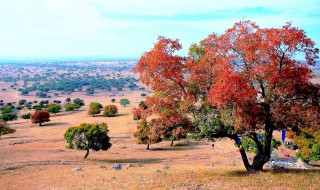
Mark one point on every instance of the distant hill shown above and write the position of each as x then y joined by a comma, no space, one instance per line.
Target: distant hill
11,59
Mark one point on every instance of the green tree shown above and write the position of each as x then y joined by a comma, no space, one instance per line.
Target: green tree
124,102
96,104
113,100
68,100
110,110
71,107
9,116
94,110
22,101
26,116
79,102
54,108
88,136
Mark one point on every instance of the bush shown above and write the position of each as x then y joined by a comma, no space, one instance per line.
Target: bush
4,129
249,145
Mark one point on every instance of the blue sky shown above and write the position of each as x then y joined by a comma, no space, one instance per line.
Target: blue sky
127,28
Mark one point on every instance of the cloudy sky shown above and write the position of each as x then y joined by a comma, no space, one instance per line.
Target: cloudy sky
127,28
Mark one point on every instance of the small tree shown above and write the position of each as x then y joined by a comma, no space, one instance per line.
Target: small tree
79,102
124,102
40,117
4,129
96,104
71,107
54,108
68,100
8,116
88,136
146,135
94,110
113,100
22,101
110,110
26,116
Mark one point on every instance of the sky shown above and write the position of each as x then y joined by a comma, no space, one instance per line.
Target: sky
128,28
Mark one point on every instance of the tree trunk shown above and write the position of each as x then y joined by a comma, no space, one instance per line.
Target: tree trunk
40,124
171,143
148,147
87,153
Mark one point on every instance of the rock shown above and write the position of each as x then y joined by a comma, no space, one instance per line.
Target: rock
117,167
129,165
76,169
167,166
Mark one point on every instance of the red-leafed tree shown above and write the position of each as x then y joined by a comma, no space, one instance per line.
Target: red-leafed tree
40,117
238,84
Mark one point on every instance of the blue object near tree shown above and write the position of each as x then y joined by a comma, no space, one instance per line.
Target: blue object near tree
239,141
283,135
259,136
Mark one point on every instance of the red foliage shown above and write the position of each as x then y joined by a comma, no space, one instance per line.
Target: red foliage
40,117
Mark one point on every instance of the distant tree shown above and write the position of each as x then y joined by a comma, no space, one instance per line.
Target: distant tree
35,101
40,117
90,91
124,102
94,110
22,101
26,116
88,136
96,104
145,135
79,102
37,107
24,92
56,94
9,113
113,100
110,110
71,107
56,101
68,100
143,95
5,129
54,108
8,116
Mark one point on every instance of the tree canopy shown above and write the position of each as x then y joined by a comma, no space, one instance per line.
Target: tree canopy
124,102
237,84
40,117
110,110
88,136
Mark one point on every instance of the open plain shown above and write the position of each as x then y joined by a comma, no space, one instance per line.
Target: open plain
37,158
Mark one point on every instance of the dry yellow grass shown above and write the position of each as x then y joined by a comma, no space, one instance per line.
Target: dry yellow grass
36,158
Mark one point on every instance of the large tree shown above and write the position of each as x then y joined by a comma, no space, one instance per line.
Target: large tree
88,136
242,83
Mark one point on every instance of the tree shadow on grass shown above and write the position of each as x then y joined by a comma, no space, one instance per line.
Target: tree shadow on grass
276,171
119,115
54,124
132,160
